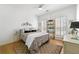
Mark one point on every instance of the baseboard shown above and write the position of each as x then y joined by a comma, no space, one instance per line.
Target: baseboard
9,41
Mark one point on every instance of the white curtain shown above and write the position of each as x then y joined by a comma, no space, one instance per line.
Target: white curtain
43,26
61,26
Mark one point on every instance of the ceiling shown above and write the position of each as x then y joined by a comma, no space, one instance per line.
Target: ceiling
33,8
50,7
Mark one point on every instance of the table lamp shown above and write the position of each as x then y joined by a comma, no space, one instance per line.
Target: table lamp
74,26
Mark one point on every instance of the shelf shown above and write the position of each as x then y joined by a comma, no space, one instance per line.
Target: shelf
51,28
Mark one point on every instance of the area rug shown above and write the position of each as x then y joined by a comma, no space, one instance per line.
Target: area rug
50,49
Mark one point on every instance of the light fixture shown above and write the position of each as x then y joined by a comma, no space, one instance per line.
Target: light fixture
41,7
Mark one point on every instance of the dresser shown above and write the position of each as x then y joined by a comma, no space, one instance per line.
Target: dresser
68,38
71,46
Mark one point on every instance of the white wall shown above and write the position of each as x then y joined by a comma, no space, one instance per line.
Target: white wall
11,18
77,18
68,12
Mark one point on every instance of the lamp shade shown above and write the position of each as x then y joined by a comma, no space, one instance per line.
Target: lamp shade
74,24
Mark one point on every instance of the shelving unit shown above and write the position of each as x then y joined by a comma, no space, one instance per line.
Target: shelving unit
51,28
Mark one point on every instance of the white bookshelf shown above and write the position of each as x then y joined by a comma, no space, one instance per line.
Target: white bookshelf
51,28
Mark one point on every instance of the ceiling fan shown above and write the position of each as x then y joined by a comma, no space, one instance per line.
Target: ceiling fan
40,7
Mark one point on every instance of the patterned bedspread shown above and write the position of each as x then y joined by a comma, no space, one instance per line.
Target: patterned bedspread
35,40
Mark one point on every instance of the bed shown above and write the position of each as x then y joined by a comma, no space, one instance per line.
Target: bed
34,40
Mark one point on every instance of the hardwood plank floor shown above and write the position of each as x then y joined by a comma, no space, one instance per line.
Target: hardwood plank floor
14,48
19,47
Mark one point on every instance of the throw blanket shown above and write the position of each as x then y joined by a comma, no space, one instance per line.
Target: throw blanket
34,40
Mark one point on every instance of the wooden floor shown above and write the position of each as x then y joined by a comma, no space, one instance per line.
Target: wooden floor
56,42
14,48
19,47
